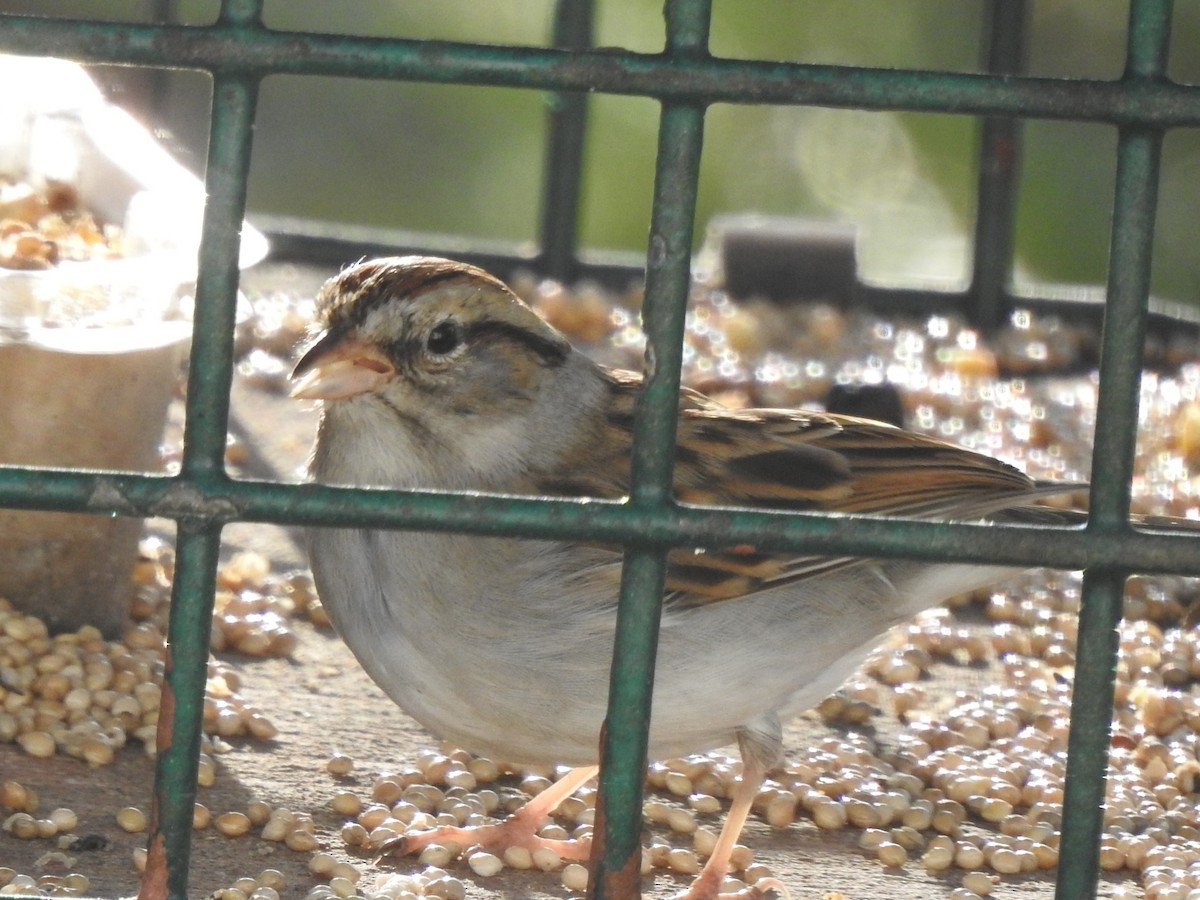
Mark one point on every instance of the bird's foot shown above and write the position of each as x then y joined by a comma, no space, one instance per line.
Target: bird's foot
520,830
708,889
517,831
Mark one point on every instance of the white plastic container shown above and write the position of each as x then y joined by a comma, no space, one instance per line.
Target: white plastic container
90,352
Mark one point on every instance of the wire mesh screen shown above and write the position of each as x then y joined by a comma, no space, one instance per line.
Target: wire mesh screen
239,51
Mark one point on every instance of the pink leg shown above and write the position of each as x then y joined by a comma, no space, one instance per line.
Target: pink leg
518,830
707,885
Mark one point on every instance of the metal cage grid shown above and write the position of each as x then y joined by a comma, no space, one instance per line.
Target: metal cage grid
238,51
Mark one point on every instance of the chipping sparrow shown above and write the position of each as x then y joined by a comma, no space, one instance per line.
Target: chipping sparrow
433,374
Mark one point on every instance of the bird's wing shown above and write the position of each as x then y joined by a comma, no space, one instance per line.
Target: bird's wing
794,461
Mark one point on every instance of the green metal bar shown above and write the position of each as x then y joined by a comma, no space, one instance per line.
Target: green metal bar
206,425
210,373
999,165
181,712
563,168
670,78
1139,154
616,860
1163,551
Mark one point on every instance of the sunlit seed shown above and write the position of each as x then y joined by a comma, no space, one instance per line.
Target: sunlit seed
201,816
829,815
78,883
683,861
937,858
741,858
301,841
781,810
704,841
260,727
232,824
945,822
64,819
21,825
994,810
13,795
372,816
861,814
485,770
575,877
968,855
518,858
678,784
97,752
277,827
535,784
655,811
321,865
131,819
354,835
206,774
447,888
980,883
682,821
891,854
485,864
1005,861
346,803
871,838
258,812
38,744
908,838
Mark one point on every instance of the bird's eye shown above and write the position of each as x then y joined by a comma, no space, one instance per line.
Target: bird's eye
443,339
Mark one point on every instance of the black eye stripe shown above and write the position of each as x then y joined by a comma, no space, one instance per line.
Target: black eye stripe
551,352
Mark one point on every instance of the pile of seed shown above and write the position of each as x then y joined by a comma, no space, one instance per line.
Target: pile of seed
83,696
41,227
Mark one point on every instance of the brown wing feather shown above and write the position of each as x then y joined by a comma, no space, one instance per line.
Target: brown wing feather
788,460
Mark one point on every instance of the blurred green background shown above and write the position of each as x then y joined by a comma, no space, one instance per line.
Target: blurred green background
467,160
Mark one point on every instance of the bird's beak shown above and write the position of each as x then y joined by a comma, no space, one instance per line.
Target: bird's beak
337,366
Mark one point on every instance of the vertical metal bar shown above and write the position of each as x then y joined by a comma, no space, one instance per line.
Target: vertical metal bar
181,712
1139,154
616,857
563,169
210,372
206,424
999,167
199,539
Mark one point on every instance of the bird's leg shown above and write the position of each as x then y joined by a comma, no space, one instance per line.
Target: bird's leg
707,885
518,830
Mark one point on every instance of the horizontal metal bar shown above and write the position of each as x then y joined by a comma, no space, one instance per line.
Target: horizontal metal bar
1133,100
219,499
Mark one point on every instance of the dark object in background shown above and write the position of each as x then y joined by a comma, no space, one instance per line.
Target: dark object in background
868,401
786,259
